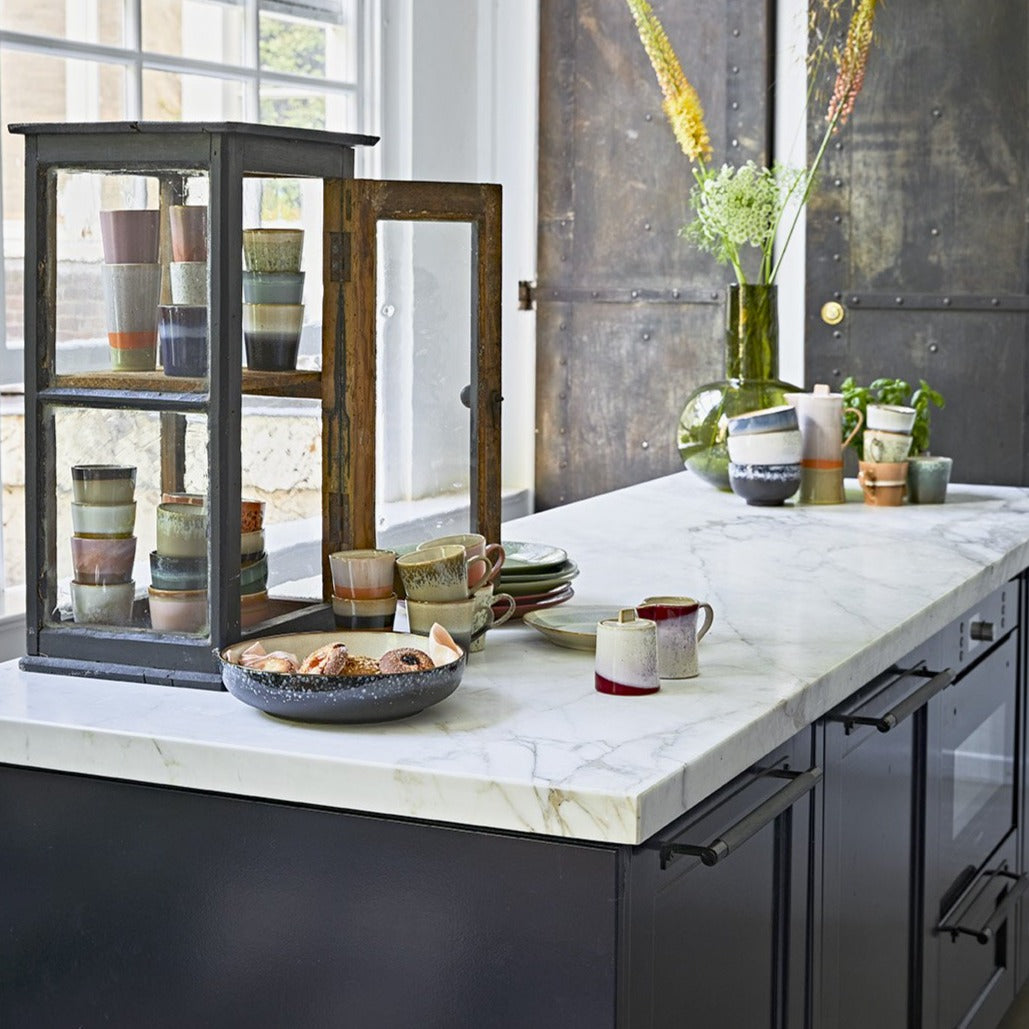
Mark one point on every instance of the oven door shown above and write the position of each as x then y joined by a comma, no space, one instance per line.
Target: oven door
974,880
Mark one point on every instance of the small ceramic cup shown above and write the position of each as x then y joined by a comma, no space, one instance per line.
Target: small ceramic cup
456,616
188,282
677,633
107,604
273,287
475,545
251,545
254,608
99,562
889,417
886,447
362,574
103,483
376,613
130,236
183,498
188,228
626,658
177,573
132,293
182,530
251,515
271,336
928,477
182,337
486,604
178,610
253,575
97,520
883,483
438,573
273,250
764,448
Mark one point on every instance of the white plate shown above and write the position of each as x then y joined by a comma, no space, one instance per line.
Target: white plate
571,626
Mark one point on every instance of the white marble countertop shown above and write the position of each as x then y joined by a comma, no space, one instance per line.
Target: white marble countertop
810,603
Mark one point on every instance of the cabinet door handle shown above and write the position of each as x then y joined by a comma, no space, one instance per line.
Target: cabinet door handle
986,932
938,681
750,824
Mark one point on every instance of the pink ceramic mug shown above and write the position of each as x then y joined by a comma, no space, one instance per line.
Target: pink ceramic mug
677,633
475,545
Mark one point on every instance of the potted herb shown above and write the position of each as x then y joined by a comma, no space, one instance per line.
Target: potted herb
928,474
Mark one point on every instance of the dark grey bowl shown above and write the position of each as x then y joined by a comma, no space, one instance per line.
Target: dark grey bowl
764,485
339,698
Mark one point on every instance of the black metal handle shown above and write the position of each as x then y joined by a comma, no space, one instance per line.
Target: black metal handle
988,930
752,823
938,681
981,631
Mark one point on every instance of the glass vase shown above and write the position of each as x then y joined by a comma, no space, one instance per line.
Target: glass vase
751,382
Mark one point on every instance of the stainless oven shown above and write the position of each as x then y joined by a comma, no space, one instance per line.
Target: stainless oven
973,881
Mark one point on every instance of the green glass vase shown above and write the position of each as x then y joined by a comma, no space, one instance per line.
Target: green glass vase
751,382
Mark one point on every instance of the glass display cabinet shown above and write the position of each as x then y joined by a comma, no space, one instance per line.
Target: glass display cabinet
177,349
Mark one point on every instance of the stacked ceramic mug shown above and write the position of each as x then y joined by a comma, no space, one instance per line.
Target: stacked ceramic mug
178,567
765,449
450,580
273,290
253,561
886,446
132,286
103,547
182,324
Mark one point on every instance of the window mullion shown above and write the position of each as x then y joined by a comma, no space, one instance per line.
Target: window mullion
134,42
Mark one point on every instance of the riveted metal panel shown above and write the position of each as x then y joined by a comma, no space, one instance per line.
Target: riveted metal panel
612,376
920,228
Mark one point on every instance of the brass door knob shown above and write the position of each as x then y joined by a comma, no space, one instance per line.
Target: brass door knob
833,312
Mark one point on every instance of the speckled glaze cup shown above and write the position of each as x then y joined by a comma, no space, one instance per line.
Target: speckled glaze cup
362,574
485,617
677,633
273,250
188,282
475,545
131,295
182,530
626,659
438,573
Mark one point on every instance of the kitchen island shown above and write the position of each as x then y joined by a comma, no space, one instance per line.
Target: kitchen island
281,858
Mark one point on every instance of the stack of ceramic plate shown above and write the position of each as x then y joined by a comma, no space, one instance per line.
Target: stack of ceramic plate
537,575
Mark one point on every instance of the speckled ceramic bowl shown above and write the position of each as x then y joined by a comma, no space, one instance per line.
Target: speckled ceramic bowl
339,698
764,485
768,419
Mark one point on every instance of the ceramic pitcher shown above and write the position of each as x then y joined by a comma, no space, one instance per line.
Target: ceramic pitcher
820,414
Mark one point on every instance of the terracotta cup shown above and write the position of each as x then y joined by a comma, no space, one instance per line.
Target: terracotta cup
188,225
130,236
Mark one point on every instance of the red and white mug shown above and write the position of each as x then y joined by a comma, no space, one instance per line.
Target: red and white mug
677,633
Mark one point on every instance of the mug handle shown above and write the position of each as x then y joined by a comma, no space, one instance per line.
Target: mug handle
495,553
860,422
468,568
709,617
511,605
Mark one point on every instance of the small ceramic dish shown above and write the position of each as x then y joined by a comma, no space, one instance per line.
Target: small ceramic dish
766,447
340,698
767,419
767,485
572,627
530,558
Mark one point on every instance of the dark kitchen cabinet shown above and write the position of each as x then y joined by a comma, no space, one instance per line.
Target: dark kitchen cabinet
721,902
921,875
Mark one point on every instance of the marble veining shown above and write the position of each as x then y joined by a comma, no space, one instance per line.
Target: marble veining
810,603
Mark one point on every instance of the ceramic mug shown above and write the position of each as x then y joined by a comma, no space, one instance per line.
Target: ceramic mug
438,573
188,281
107,604
131,236
485,616
271,336
626,659
362,574
131,295
928,477
375,613
103,483
273,250
456,616
188,228
886,447
475,545
883,484
182,530
677,633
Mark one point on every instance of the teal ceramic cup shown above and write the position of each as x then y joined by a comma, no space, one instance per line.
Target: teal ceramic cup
273,287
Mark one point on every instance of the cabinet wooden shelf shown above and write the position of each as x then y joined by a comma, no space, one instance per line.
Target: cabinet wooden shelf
305,384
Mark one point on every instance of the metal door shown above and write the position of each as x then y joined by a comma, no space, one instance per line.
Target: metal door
919,227
629,316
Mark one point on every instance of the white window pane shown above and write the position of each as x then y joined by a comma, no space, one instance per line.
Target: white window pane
95,21
201,30
301,47
168,96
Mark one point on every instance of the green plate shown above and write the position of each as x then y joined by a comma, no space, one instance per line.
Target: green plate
524,585
531,558
570,626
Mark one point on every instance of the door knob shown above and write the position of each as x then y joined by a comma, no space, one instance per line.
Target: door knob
833,312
